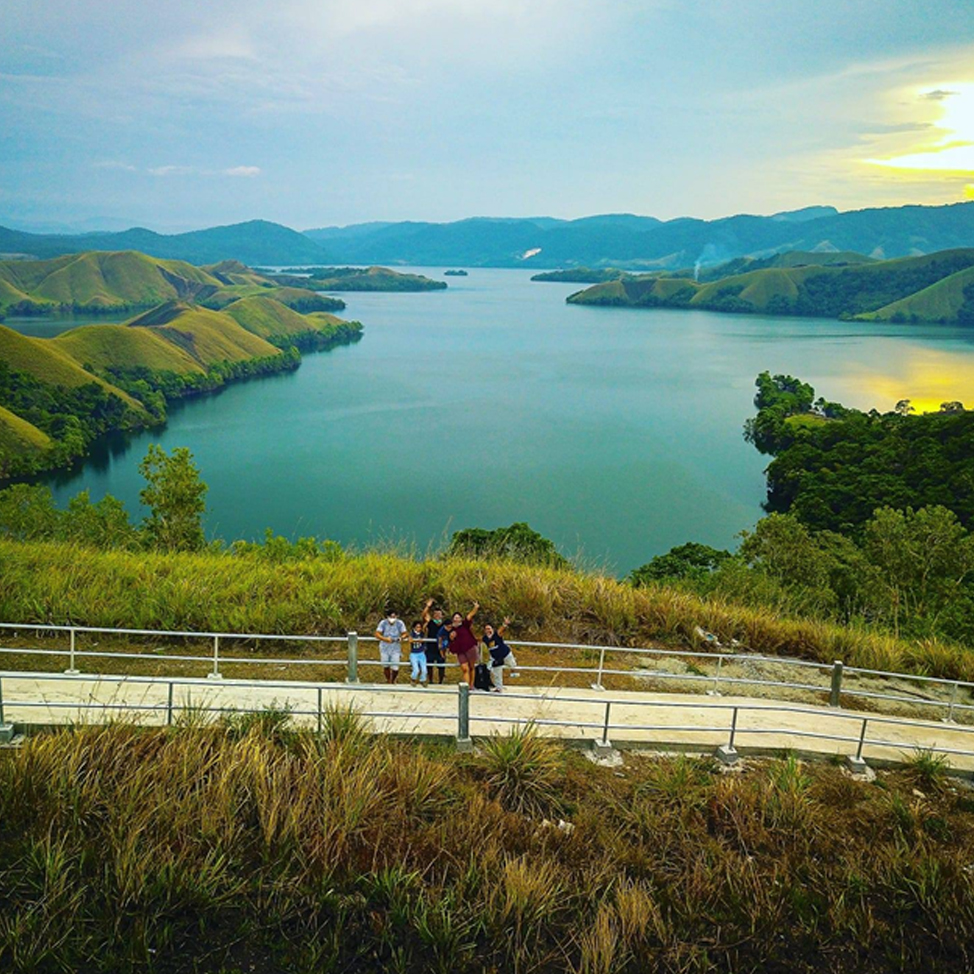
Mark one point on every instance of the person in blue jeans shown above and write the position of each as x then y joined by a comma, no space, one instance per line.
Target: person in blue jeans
500,653
417,655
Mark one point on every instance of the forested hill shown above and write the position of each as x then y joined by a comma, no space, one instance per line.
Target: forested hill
253,242
933,287
834,466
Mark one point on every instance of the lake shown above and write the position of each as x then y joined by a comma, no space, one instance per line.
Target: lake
615,432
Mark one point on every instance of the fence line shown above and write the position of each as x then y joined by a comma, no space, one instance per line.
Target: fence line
601,722
836,687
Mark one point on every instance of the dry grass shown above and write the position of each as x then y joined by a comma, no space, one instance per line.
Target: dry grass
252,846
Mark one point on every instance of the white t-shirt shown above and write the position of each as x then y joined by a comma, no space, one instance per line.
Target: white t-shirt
392,630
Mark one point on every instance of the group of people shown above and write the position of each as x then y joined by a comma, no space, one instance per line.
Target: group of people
438,633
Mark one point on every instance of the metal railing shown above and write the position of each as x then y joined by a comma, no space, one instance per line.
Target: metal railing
458,718
833,680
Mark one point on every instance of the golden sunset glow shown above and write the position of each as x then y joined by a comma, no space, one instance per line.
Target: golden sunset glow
948,146
927,379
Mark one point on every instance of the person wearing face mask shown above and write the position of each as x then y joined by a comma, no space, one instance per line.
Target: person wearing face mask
433,619
389,632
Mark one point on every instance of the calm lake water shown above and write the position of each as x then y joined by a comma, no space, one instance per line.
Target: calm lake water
616,432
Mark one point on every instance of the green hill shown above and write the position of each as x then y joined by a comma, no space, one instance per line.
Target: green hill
233,272
19,440
950,300
299,299
45,361
280,326
841,290
118,346
99,281
209,337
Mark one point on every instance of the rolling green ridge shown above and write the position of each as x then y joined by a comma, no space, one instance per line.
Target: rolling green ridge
299,299
99,281
93,379
869,289
581,275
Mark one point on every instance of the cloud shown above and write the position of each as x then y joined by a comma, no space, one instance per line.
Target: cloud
246,171
938,94
115,164
170,170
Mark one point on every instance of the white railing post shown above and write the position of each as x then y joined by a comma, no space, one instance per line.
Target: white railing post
169,706
715,692
216,674
727,753
351,675
949,719
72,670
597,685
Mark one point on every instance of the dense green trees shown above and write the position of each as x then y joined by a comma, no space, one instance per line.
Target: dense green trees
518,541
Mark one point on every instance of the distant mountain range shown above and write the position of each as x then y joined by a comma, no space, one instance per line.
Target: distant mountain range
611,240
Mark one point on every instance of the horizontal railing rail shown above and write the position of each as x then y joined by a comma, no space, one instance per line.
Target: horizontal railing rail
835,677
735,723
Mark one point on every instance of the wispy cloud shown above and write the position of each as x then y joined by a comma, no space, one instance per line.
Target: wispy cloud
115,164
938,94
170,170
245,171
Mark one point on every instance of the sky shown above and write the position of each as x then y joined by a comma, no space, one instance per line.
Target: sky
184,114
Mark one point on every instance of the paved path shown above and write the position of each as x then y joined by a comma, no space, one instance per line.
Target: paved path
651,719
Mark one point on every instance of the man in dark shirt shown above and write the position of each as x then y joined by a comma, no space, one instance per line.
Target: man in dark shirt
500,652
435,660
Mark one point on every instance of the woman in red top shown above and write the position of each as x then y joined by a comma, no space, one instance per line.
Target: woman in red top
464,643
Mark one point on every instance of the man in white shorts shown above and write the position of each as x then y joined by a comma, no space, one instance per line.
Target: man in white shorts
389,632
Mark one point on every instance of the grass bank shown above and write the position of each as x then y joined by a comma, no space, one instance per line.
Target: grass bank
59,583
252,847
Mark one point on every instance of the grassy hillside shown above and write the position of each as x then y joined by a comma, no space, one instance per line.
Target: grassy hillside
18,438
300,299
280,326
207,336
50,364
107,346
253,846
233,272
843,290
98,281
950,300
49,582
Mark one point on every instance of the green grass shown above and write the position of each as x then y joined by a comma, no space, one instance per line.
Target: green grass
939,302
268,318
925,288
59,583
18,437
212,849
104,346
206,336
102,280
45,360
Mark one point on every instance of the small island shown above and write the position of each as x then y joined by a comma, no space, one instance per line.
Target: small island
581,275
354,279
455,273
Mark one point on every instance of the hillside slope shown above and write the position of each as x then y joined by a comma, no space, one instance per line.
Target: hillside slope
807,289
99,281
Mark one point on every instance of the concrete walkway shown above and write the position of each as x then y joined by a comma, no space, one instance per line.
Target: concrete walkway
660,720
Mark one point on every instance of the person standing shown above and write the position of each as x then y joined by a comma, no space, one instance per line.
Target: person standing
389,632
464,643
433,619
418,668
500,652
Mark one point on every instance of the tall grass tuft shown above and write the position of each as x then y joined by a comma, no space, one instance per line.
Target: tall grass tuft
522,769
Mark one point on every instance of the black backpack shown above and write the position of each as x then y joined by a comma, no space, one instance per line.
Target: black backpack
481,677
